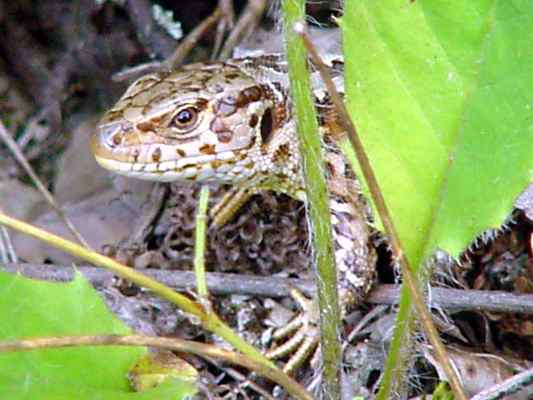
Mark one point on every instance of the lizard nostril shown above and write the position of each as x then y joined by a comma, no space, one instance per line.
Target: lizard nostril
110,136
106,139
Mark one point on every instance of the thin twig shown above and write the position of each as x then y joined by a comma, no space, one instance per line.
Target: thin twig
33,130
185,281
248,20
13,147
506,388
179,345
191,40
32,66
228,13
226,21
456,300
7,251
4,256
148,32
379,201
244,381
452,300
131,73
177,57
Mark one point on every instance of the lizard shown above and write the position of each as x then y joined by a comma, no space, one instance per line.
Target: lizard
232,122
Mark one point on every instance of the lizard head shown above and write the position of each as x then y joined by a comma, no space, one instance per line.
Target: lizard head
202,122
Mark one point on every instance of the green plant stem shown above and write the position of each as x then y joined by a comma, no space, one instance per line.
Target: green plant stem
199,244
185,346
210,321
317,197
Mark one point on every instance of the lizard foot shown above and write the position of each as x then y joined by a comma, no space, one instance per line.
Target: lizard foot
302,334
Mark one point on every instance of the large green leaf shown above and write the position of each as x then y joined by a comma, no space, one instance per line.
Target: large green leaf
33,308
442,96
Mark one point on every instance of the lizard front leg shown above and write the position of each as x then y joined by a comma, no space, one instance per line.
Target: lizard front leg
230,204
355,261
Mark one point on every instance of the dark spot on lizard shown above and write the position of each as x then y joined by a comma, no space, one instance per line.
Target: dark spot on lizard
330,168
135,155
278,86
239,157
156,155
208,149
337,66
201,104
274,92
216,164
232,75
145,126
181,153
281,154
113,115
188,166
254,119
249,95
266,126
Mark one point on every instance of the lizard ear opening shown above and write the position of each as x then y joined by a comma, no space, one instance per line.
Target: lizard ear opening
267,125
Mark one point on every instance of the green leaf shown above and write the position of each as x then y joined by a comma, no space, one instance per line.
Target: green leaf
34,308
442,392
442,96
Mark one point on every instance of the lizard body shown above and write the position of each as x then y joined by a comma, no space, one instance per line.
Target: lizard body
231,122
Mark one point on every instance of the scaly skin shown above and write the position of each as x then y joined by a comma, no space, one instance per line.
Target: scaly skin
231,122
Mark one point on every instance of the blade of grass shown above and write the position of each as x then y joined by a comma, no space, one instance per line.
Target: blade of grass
199,244
184,346
317,197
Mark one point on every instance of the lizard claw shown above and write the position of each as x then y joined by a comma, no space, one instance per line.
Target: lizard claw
302,334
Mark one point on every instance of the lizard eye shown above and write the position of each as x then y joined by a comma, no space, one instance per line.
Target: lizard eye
185,119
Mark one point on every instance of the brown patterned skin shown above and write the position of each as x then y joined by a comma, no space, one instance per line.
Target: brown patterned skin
231,122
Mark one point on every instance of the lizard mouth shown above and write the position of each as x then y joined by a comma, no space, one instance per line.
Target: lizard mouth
202,168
